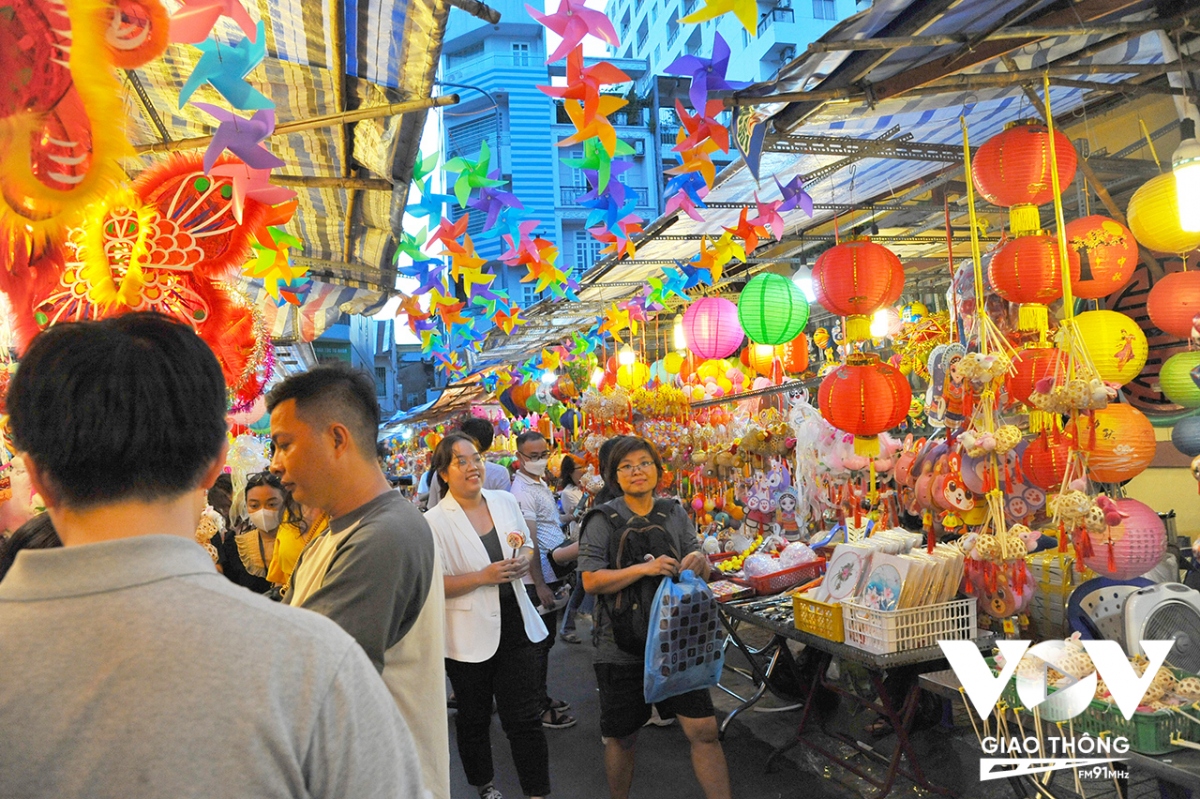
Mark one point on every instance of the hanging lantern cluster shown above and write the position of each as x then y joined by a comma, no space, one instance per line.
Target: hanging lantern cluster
856,278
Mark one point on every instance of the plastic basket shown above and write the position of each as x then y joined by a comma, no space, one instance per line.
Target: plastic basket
822,619
768,584
887,631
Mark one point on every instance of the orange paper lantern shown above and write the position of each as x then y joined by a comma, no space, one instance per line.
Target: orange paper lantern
1107,254
1028,271
1045,461
1030,366
855,279
1174,302
1012,170
795,355
1121,443
864,396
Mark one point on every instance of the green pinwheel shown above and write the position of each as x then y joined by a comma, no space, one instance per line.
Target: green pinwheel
597,159
472,174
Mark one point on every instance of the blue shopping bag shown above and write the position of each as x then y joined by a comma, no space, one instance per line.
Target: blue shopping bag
685,646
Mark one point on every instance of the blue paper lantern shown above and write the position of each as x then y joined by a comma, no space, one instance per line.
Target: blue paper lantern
1186,436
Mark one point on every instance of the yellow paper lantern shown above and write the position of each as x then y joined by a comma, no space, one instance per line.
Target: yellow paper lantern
1175,379
632,375
1154,217
1115,343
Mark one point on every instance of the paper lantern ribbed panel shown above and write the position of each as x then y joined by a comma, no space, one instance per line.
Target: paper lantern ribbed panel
1115,343
1107,252
856,278
1174,301
711,327
1175,379
1154,217
864,396
1124,443
1013,167
1137,543
795,355
1028,270
772,309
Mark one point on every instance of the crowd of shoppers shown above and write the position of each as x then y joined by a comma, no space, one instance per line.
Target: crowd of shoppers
361,606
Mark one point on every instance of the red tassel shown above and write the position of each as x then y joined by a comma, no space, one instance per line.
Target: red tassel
1092,430
1084,548
1112,557
1021,575
1062,537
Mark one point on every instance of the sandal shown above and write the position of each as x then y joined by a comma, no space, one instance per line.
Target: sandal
557,719
570,638
560,704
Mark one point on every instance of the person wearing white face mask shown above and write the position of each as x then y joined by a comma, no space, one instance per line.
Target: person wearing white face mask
246,556
541,516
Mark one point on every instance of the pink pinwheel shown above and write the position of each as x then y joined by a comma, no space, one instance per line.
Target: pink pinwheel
240,136
686,200
700,127
194,19
523,246
768,217
795,195
250,184
572,22
708,74
583,83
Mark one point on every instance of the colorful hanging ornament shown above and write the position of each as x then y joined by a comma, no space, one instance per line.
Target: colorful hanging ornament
710,325
865,397
1115,344
1012,170
1119,440
572,22
772,309
1174,303
1028,271
1107,253
1153,215
856,278
225,67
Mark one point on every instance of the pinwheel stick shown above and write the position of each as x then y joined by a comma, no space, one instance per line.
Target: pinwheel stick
329,120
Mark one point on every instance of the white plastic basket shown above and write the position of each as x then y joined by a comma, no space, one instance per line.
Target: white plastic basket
887,631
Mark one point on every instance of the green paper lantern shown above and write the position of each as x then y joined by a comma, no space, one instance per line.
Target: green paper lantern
1176,382
772,309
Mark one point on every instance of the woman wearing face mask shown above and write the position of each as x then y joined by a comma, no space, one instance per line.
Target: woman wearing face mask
246,556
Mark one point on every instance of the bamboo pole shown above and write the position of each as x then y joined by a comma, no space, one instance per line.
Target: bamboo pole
329,120
478,10
329,182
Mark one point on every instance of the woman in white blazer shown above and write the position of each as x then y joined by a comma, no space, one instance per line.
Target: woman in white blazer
491,625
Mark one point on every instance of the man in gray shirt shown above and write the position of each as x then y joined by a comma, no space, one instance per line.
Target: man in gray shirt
133,668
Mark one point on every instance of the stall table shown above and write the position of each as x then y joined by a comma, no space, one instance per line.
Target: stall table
776,653
1180,768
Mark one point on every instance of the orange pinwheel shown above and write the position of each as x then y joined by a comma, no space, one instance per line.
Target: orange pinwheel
465,259
598,127
448,232
702,126
583,83
616,319
508,320
411,308
276,216
697,159
747,231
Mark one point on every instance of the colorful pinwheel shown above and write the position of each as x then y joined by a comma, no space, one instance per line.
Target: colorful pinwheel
240,136
597,159
432,205
747,231
707,74
194,19
583,83
250,184
425,165
746,12
698,159
702,126
492,200
509,320
768,217
794,195
226,67
472,174
725,249
572,21
598,127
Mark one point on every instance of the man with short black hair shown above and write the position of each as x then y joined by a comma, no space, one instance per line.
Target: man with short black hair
540,510
119,646
495,476
375,571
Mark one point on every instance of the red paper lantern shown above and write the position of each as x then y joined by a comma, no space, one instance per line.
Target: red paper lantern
1107,252
1045,460
1031,365
795,355
855,279
1028,271
865,397
1174,302
1012,170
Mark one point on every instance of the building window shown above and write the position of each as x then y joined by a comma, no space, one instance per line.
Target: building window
466,54
587,252
520,51
464,139
529,294
381,381
824,9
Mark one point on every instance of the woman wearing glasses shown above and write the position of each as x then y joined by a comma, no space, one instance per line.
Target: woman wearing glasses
491,624
251,557
660,529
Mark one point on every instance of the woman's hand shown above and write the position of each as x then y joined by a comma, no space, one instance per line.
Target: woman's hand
662,566
505,571
696,562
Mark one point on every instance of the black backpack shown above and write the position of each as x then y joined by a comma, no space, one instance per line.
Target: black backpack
631,541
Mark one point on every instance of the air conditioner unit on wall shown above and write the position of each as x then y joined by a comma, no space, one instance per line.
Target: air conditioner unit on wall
787,54
639,147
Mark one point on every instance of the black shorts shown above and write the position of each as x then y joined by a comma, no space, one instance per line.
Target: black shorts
623,708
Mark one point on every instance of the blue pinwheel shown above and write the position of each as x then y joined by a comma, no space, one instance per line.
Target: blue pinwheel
432,205
226,67
707,74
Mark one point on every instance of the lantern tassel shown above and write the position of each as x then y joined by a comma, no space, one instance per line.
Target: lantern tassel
1024,220
858,327
1033,316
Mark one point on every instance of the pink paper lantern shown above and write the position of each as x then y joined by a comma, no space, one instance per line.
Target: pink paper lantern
711,327
1137,544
